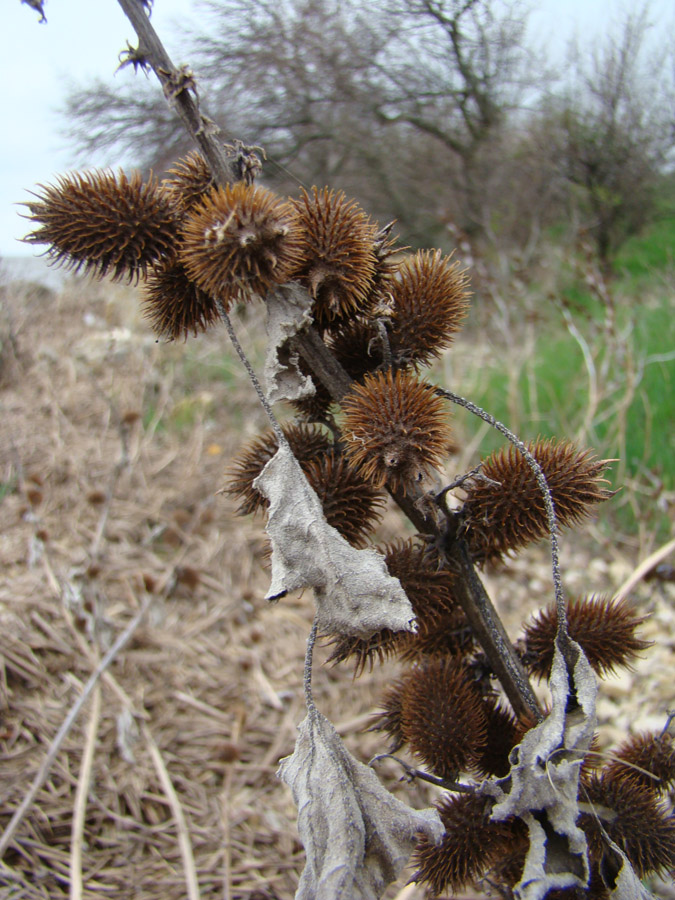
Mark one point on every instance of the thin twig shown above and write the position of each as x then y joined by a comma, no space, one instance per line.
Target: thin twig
307,677
80,807
68,723
281,437
183,833
643,569
544,488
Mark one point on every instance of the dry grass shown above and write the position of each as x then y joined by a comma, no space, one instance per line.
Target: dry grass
111,454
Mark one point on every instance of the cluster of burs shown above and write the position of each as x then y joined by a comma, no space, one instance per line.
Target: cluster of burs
384,314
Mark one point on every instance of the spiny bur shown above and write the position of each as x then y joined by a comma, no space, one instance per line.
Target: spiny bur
349,503
306,442
240,240
633,817
647,759
470,846
429,302
429,590
189,180
173,304
395,428
506,512
103,223
605,630
338,251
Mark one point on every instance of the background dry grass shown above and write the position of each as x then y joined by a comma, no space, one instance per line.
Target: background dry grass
112,451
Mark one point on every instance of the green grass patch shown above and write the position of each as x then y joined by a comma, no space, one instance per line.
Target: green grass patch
628,412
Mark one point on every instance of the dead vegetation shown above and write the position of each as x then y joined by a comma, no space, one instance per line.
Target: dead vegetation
112,450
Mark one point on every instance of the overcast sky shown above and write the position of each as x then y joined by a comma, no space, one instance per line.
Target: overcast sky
82,40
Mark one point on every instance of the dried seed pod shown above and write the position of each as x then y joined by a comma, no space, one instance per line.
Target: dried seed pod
648,759
385,250
604,629
173,303
190,179
633,818
470,846
430,591
507,512
430,301
240,240
443,716
350,504
446,635
357,348
338,250
105,224
306,442
395,428
389,720
502,733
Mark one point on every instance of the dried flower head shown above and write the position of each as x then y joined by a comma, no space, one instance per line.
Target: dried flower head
389,720
173,303
105,224
446,635
648,759
338,250
605,631
633,818
306,442
443,716
350,504
395,428
507,512
189,180
470,846
240,240
430,300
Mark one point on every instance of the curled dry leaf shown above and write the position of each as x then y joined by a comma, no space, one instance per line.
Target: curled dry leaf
357,836
543,783
289,310
354,592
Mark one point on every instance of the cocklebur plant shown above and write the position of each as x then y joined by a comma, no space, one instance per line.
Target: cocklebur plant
352,322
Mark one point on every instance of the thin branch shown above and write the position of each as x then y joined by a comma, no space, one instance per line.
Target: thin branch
307,678
80,808
180,91
68,723
264,402
183,833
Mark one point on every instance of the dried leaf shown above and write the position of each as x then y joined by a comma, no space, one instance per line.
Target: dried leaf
289,310
628,886
354,592
357,836
542,785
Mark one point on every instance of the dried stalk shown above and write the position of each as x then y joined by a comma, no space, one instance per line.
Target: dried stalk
68,723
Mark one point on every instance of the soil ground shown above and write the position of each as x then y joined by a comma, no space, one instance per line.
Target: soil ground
113,450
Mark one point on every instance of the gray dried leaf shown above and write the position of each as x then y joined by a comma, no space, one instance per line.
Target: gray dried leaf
288,312
628,886
542,785
354,592
357,836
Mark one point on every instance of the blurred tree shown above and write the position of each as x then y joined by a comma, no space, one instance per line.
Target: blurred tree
613,131
373,99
